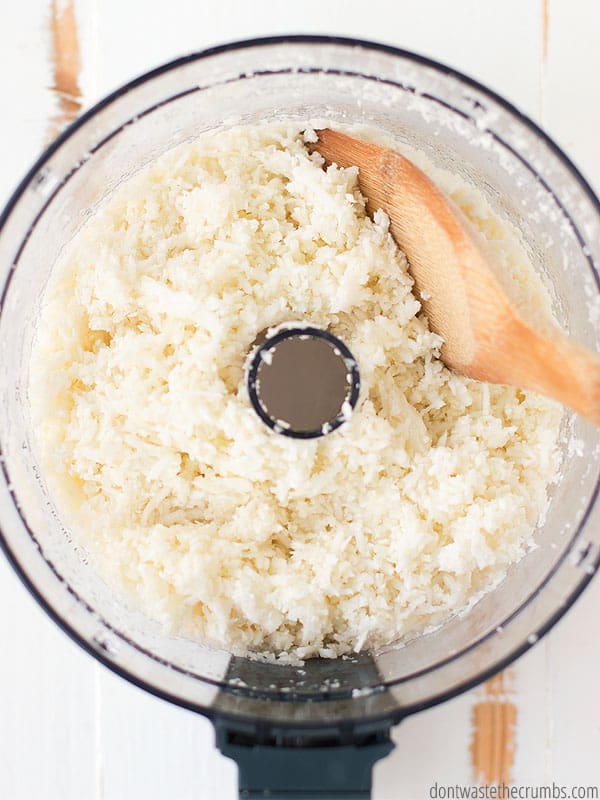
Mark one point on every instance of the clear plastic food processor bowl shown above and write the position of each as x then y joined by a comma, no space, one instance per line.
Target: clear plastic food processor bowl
265,712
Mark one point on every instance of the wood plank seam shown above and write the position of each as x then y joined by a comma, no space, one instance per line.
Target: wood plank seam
494,720
545,30
66,64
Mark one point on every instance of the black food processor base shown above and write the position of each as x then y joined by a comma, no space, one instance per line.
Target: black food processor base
293,758
299,768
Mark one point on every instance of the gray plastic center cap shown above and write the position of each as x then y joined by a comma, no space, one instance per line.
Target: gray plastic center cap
303,382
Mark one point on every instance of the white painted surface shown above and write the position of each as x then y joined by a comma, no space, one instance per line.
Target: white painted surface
69,730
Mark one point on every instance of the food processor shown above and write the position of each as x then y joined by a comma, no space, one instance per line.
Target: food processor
315,729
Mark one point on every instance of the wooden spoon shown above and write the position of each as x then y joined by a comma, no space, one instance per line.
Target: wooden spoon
484,336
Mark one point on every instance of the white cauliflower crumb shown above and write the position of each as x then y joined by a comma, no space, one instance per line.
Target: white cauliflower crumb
217,526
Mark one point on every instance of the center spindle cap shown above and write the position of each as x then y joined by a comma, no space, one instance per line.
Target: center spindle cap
303,382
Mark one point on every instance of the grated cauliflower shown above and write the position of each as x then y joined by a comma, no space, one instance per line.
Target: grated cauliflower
186,501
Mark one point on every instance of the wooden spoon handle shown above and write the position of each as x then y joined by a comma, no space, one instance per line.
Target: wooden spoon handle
555,366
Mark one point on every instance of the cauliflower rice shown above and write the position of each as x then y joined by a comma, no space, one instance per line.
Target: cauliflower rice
213,524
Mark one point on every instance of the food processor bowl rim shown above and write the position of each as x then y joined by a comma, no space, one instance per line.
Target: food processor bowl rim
294,39
349,43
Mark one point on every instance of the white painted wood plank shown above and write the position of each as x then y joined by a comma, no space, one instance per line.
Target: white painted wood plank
87,13
571,114
25,80
532,757
574,695
497,42
571,92
152,749
431,747
47,728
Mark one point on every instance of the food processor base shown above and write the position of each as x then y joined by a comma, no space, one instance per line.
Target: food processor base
304,766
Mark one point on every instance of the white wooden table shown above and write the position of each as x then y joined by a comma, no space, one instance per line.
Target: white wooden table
70,730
